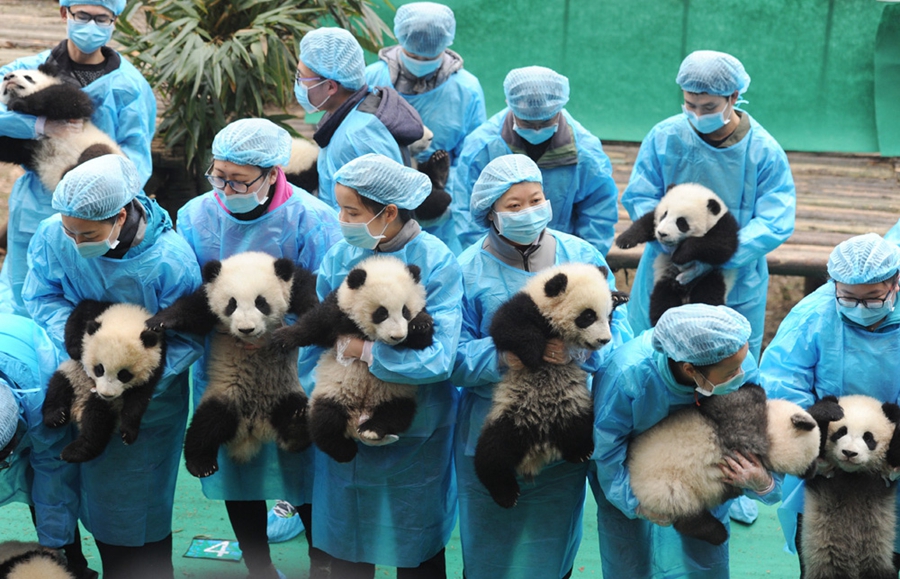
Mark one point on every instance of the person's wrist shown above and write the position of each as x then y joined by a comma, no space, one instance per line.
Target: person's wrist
39,125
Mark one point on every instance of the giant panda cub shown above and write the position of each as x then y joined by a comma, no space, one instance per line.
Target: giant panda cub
849,517
19,560
115,363
253,395
543,412
674,466
691,223
381,300
43,93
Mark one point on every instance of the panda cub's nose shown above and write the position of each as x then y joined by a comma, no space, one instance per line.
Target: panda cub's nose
245,330
662,235
849,453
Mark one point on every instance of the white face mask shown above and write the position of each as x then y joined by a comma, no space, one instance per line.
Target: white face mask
707,388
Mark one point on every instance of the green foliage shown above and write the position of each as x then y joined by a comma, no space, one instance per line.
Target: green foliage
214,61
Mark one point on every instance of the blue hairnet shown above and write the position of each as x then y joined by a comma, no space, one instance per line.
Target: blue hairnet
384,180
425,28
9,414
334,53
864,259
115,5
700,334
253,142
713,73
97,189
496,178
535,93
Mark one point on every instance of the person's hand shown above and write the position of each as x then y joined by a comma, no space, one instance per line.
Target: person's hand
62,128
556,352
348,348
654,518
747,472
691,271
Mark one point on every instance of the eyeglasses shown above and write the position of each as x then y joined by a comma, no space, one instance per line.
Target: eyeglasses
236,186
298,78
104,20
868,303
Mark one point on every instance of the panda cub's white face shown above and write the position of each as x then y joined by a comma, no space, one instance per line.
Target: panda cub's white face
859,441
688,210
119,352
248,297
21,83
381,296
576,300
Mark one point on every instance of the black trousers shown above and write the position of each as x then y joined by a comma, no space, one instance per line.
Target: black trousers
75,561
434,568
149,561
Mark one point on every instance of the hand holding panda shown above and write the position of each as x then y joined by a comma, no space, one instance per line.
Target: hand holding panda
692,224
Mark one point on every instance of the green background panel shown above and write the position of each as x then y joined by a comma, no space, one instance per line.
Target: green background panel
812,62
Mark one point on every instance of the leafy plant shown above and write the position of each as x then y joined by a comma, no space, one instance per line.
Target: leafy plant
214,61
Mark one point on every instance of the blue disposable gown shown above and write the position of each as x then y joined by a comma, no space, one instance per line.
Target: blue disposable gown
632,392
753,179
36,476
583,195
814,354
541,534
302,229
395,505
153,274
893,234
124,108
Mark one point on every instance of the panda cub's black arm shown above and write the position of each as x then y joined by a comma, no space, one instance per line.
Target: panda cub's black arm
640,231
17,151
519,327
303,292
420,334
189,313
320,326
714,248
76,326
57,102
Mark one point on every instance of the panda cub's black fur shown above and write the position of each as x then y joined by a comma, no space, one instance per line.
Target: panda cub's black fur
691,223
543,412
253,395
20,560
43,93
115,363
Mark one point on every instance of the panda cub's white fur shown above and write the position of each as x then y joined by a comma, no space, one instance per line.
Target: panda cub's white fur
304,154
20,560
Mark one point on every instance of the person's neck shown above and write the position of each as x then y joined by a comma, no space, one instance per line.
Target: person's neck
392,230
336,100
79,57
726,130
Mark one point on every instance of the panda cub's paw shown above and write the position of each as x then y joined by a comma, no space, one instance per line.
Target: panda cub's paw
79,451
506,497
202,467
56,417
129,434
286,338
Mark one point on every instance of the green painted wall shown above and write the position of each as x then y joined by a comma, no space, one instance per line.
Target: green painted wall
812,62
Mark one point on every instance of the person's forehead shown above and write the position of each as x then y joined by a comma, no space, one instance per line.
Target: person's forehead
91,9
701,97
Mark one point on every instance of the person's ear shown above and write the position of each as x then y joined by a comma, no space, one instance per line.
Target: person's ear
121,217
273,175
688,369
734,97
390,213
62,13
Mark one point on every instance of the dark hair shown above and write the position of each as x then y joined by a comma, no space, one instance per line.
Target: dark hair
375,207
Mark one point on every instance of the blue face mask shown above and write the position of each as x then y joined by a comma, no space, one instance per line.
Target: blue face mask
358,233
243,202
92,249
524,227
707,388
88,36
420,68
301,92
708,123
536,136
867,316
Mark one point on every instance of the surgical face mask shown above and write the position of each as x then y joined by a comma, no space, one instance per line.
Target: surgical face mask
358,233
301,91
420,68
708,123
707,388
867,316
88,36
536,136
523,227
92,249
243,202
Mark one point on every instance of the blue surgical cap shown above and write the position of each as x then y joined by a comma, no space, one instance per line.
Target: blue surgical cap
384,180
864,259
700,334
97,189
425,28
712,72
535,93
334,53
116,6
9,414
496,179
253,142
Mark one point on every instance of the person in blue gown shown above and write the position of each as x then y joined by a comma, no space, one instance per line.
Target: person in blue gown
393,504
844,338
270,215
577,174
124,108
541,534
725,149
694,350
111,243
432,79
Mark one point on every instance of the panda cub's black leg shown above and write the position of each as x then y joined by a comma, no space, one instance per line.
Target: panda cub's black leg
58,401
134,404
328,427
667,294
500,449
575,439
96,427
391,417
214,424
711,290
703,526
290,422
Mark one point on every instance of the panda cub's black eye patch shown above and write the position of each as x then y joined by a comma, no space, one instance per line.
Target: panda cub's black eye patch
263,306
586,318
98,370
407,315
682,224
232,305
839,433
28,78
379,315
870,440
124,376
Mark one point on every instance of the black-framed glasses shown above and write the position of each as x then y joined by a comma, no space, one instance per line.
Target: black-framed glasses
84,17
236,186
868,303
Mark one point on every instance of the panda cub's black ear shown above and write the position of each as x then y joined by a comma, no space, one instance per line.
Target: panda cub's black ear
211,270
356,278
892,411
284,269
49,68
415,272
713,206
556,285
149,338
91,327
604,270
803,421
